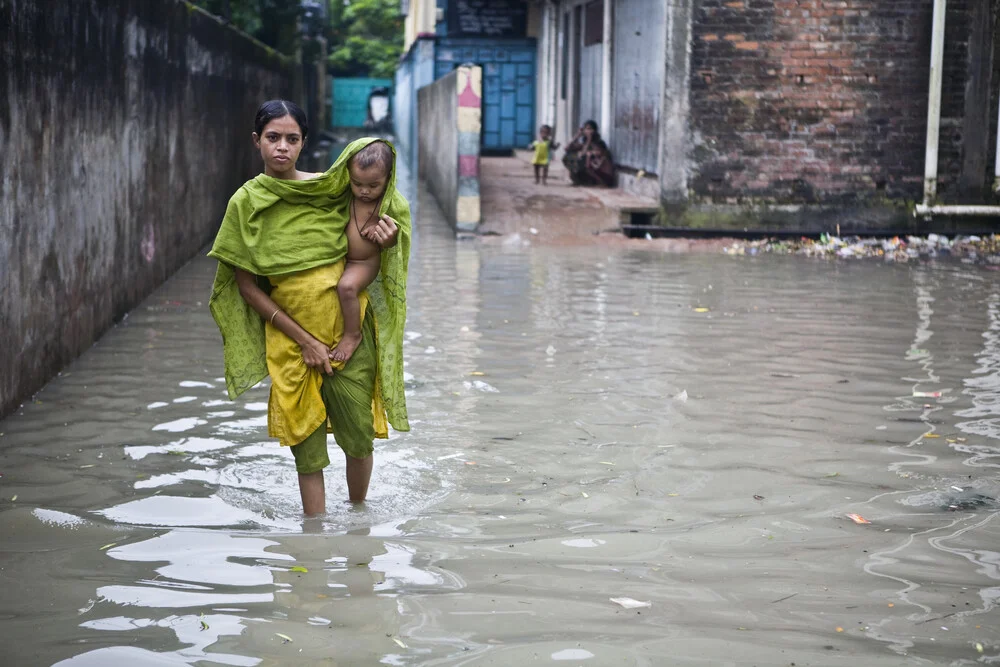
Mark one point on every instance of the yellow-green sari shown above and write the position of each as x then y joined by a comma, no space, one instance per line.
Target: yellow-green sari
293,234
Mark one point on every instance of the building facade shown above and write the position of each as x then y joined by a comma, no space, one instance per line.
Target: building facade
497,35
752,112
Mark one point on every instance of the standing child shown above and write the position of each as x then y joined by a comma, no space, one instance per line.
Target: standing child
543,146
369,172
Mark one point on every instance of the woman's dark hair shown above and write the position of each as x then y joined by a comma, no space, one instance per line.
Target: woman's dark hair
592,124
273,109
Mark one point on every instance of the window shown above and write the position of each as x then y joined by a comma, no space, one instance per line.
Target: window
593,29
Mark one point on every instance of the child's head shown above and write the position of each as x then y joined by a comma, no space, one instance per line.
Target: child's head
370,169
280,130
544,132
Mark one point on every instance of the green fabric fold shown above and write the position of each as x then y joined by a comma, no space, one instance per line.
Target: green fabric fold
275,226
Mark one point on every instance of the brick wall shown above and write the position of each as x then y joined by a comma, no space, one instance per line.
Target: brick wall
821,101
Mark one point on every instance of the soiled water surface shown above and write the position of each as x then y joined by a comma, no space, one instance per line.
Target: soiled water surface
589,423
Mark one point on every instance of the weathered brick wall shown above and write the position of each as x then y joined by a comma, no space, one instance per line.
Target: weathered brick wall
821,101
125,127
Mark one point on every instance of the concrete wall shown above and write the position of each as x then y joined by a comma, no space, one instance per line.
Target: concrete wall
415,71
450,113
125,126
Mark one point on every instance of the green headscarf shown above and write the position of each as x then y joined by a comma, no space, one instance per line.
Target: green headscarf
275,226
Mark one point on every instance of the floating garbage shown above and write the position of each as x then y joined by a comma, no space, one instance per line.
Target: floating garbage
967,499
976,249
629,603
857,518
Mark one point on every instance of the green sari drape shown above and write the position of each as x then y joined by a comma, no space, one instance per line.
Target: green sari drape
275,226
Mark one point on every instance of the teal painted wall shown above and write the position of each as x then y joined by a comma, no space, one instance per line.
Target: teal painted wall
349,100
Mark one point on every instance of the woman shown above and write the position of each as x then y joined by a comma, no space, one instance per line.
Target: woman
588,159
281,251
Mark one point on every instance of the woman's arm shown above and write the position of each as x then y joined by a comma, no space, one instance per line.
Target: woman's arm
314,353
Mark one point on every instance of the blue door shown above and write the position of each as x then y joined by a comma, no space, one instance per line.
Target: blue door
508,89
508,98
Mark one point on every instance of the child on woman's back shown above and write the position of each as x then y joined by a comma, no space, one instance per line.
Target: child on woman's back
369,171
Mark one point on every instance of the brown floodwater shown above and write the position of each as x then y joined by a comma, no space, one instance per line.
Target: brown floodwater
688,433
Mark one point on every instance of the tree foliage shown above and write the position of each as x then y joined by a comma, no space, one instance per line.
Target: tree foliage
366,37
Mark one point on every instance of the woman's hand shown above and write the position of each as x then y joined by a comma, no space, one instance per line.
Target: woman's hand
316,355
384,233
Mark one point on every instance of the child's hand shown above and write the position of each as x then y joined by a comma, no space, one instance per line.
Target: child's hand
384,233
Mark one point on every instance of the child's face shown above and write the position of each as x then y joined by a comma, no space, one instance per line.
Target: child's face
368,184
544,133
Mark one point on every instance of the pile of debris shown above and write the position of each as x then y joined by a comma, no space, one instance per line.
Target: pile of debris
972,249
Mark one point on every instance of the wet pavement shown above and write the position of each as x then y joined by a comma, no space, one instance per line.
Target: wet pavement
590,422
514,207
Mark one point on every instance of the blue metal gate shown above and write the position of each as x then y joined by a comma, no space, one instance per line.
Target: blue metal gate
349,99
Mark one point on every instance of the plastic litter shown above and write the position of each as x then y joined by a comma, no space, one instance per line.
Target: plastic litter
971,249
629,603
857,518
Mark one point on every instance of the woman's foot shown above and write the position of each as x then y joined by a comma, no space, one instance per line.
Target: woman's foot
345,348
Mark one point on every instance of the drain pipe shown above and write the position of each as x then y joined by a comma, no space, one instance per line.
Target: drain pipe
927,209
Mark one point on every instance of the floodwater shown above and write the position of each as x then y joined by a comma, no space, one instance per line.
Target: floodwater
686,432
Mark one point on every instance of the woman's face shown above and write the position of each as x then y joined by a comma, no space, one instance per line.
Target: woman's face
280,143
588,132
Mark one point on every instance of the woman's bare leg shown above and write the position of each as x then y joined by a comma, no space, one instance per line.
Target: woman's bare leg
357,276
313,492
359,474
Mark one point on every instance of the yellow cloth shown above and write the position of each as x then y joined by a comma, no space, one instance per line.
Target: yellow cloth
541,152
295,408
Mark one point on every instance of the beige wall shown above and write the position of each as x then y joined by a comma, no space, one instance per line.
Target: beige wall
421,19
